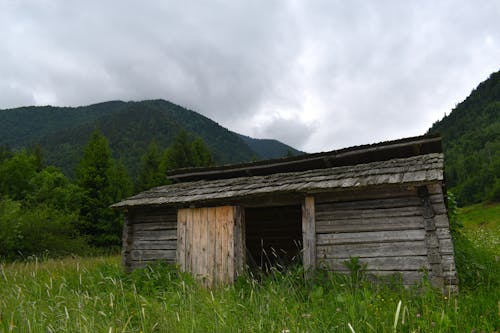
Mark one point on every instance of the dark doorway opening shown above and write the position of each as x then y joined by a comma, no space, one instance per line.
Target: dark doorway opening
273,236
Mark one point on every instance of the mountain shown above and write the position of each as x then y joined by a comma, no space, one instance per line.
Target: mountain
62,132
269,148
471,144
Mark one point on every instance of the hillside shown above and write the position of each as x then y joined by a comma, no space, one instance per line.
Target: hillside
268,148
130,127
471,143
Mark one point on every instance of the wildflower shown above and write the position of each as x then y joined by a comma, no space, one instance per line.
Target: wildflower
338,310
418,315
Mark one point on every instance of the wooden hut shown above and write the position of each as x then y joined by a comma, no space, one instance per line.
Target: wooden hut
383,203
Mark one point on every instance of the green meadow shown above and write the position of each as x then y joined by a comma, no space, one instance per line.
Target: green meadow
76,294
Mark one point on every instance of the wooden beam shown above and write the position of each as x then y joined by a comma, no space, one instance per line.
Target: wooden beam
126,240
309,233
239,240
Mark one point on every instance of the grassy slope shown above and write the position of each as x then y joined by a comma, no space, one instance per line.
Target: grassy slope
94,295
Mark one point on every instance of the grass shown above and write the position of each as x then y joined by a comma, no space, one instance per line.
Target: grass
94,295
482,224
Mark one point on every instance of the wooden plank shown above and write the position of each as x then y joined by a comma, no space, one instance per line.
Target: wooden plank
441,221
153,255
189,240
181,238
203,257
230,220
379,191
435,188
407,277
127,237
370,237
446,246
239,240
448,262
224,212
211,245
373,224
374,203
195,245
439,208
308,233
168,220
323,212
406,263
219,248
364,250
443,233
155,235
155,245
154,226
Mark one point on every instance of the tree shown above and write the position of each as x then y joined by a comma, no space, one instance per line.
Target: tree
201,155
179,155
151,173
120,182
15,175
94,175
186,152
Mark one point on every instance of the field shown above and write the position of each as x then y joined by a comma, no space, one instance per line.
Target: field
94,295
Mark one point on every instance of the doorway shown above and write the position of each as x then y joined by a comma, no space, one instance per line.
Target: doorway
273,237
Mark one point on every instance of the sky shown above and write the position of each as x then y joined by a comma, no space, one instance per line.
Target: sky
318,75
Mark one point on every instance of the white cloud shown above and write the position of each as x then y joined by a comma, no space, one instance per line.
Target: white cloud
317,75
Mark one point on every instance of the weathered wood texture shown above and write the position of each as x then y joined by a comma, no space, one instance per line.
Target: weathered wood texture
308,233
126,241
211,242
273,235
399,234
149,235
419,169
438,239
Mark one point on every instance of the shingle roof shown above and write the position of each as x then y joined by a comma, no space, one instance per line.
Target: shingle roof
382,151
416,169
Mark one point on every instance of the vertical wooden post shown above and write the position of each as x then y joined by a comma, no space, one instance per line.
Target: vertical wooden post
239,240
181,238
126,240
308,233
431,239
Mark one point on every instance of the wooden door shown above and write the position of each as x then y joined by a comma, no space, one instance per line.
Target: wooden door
211,243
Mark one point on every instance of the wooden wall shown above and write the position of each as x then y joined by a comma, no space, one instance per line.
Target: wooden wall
400,231
211,243
149,235
404,233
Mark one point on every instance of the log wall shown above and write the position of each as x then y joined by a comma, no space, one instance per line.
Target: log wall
149,235
405,234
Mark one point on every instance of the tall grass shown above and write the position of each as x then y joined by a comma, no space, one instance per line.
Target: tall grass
94,295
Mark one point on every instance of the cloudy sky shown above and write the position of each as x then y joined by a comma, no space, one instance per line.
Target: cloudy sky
318,75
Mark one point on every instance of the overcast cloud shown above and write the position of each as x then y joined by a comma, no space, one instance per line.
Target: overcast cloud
318,75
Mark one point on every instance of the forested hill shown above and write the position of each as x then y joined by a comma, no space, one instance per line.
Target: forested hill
130,127
471,142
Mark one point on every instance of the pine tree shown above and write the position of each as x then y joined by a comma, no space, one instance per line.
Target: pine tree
186,153
179,154
150,169
201,155
94,175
